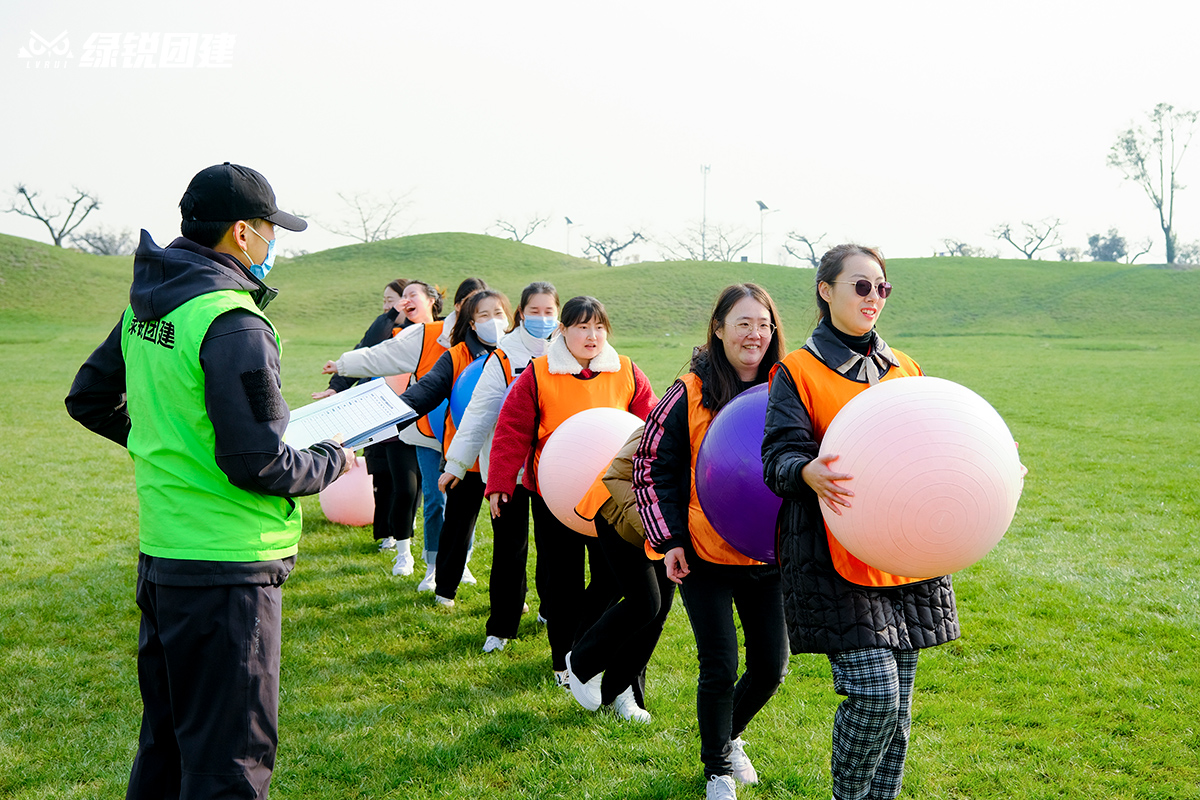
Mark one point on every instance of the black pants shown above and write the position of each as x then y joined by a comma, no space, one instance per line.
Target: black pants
208,669
568,606
507,586
396,482
462,510
623,639
725,704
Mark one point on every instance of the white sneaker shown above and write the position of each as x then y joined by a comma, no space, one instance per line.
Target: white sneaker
446,602
627,707
468,578
429,582
586,694
720,787
404,562
494,643
743,770
387,543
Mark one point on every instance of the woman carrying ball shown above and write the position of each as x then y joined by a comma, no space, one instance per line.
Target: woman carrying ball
870,624
580,370
744,340
535,325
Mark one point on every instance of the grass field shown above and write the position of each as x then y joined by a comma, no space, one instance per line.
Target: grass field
1076,675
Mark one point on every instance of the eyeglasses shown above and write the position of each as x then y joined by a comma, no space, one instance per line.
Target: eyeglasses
745,328
863,287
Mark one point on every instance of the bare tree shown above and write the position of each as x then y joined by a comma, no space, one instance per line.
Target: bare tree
1033,236
370,219
525,231
1143,247
83,203
956,247
1151,159
608,247
1070,254
717,243
103,242
810,244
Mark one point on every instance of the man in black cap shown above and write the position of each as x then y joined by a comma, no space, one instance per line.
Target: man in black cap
188,382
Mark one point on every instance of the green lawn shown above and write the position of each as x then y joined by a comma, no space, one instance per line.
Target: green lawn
1075,676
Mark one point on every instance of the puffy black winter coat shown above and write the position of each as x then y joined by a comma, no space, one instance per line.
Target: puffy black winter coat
825,612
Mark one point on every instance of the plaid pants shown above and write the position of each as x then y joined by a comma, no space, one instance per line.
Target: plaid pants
870,727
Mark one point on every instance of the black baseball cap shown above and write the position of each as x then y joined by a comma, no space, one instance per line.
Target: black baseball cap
229,192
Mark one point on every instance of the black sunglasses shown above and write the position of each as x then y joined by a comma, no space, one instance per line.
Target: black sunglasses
863,287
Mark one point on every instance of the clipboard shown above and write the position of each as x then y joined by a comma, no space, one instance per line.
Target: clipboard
362,414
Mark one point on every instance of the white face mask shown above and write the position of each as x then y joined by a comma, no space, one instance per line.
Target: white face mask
490,330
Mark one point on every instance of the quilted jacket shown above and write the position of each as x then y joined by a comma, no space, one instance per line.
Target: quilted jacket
826,613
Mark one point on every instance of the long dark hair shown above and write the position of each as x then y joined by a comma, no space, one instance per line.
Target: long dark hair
467,287
722,383
537,287
466,312
831,267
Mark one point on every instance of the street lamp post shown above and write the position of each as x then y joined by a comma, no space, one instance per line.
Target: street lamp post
762,212
704,215
569,224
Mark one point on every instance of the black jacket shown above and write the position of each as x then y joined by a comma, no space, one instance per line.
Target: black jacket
249,415
825,612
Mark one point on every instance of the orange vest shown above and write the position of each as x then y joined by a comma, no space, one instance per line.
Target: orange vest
431,351
707,543
460,354
560,397
505,364
823,392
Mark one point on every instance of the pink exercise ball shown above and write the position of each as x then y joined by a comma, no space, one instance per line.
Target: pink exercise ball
578,451
350,500
936,477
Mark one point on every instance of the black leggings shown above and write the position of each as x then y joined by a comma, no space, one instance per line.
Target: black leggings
725,703
510,554
623,639
462,510
568,606
396,481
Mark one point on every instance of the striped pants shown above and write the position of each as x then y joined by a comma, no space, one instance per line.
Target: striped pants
870,727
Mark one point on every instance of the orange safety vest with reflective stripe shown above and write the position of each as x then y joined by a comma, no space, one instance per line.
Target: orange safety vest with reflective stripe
824,392
431,351
560,397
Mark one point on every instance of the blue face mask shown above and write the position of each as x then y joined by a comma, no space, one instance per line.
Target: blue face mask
540,327
260,270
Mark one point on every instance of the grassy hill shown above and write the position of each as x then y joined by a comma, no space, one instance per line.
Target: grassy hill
1075,675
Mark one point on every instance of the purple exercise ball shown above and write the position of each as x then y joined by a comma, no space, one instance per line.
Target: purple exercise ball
729,477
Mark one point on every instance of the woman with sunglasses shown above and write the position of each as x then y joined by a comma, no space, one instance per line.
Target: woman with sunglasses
869,623
744,340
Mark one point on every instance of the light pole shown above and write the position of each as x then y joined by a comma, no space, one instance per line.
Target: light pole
762,212
704,215
569,224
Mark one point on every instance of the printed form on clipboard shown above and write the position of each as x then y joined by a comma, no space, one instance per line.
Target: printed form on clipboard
363,414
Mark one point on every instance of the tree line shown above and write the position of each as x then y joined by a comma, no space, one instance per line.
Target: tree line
1147,155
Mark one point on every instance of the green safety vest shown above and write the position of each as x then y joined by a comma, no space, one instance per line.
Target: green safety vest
188,508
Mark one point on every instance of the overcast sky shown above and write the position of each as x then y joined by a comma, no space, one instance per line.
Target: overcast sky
892,124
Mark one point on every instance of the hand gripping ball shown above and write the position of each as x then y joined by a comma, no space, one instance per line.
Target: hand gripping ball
577,453
936,476
464,387
729,477
350,500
